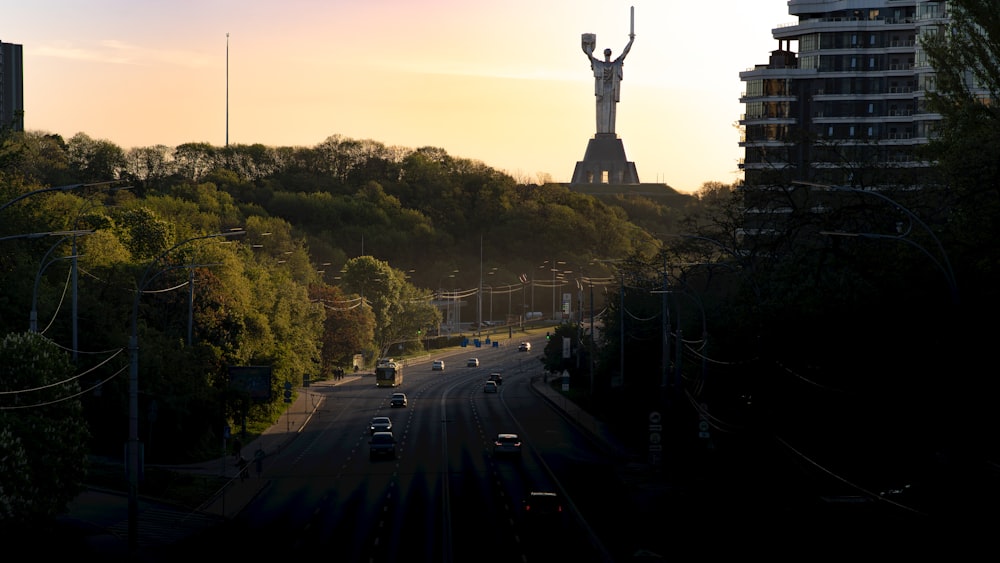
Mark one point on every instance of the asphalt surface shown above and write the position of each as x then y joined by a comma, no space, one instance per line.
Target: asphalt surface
97,522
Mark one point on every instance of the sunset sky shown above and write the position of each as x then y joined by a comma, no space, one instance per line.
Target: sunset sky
505,83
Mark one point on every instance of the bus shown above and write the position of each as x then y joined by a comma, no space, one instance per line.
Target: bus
389,375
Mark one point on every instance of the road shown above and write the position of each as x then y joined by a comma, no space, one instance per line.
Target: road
446,497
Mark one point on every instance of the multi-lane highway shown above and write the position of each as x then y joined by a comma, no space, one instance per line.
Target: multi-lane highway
446,497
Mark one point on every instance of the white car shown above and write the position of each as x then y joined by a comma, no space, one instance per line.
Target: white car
524,347
472,363
490,387
438,365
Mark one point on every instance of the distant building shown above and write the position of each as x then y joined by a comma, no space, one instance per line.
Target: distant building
11,87
848,108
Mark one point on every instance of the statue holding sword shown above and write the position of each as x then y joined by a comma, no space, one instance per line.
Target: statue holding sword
607,77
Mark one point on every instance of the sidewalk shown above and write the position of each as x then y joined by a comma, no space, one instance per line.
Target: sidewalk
238,493
98,518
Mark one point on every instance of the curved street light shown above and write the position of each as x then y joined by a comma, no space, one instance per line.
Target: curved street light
33,318
942,263
133,389
45,234
54,189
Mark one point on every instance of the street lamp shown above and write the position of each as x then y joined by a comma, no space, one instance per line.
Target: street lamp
941,263
33,318
45,234
75,273
43,190
133,390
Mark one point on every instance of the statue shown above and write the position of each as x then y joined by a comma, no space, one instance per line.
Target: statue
607,77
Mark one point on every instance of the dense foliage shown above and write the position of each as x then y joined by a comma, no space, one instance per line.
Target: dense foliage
294,258
843,339
43,434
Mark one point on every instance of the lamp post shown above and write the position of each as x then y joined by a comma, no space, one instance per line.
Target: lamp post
75,301
33,318
942,262
45,234
43,190
133,390
554,270
191,268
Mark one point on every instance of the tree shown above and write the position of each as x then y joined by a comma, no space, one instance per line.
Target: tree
381,289
966,61
94,160
348,328
43,434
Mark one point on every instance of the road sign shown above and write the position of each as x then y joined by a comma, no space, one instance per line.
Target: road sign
703,428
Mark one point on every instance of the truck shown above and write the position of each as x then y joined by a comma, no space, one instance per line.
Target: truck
389,375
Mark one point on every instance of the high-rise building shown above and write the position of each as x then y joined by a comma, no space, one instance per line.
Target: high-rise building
11,87
842,99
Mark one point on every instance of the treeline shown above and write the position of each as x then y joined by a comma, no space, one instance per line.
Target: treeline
320,230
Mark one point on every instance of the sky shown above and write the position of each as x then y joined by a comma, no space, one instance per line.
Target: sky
503,83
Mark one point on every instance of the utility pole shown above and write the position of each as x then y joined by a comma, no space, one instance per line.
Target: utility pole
664,382
227,88
590,357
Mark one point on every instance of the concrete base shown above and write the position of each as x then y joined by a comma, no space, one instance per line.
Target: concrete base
605,163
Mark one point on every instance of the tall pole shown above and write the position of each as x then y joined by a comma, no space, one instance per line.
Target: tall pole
33,316
621,321
591,355
227,89
132,449
666,330
479,294
553,290
74,309
190,303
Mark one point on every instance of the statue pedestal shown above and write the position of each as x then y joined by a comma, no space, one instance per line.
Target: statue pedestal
605,163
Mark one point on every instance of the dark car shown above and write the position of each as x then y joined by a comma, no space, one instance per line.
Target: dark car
543,508
496,377
382,445
398,400
507,443
380,424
